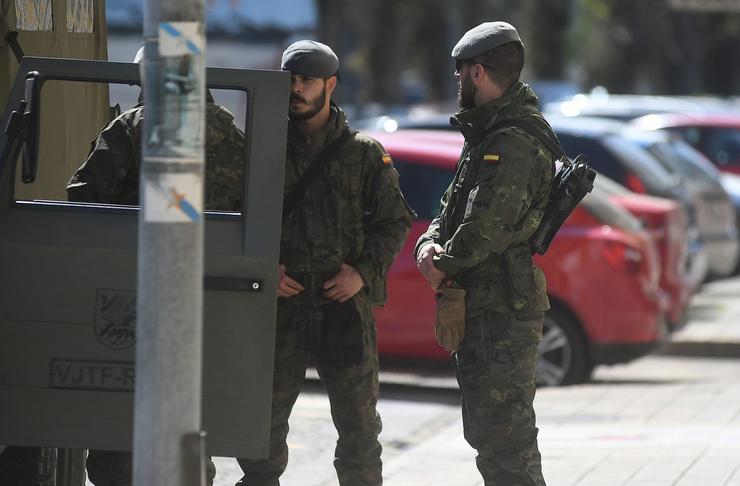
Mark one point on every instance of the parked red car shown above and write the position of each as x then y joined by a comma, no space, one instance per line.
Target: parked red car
716,135
666,222
603,273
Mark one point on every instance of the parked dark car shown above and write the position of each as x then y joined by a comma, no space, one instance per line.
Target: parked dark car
603,143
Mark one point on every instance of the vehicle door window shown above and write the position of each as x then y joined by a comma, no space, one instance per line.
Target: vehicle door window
423,186
69,130
601,159
723,146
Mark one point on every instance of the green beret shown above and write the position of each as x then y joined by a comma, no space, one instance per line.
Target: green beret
483,38
310,58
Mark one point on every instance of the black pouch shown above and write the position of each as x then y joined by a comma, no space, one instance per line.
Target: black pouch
341,342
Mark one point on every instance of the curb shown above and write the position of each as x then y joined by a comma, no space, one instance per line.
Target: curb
701,349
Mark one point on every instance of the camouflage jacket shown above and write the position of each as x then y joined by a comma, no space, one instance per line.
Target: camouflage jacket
353,212
506,175
110,174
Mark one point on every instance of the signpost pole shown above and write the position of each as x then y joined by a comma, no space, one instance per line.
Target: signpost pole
168,443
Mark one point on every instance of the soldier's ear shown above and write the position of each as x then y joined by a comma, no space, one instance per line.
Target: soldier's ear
331,84
477,72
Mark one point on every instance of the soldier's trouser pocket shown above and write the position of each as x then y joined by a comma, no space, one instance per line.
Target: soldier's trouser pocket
449,328
341,341
520,269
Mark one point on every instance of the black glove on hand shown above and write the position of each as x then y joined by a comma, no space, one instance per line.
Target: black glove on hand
341,336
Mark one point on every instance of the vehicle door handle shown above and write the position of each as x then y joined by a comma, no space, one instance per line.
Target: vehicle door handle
233,284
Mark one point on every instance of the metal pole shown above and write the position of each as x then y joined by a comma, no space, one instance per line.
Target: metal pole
167,400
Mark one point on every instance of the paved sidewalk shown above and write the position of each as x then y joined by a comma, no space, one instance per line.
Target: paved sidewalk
664,420
714,323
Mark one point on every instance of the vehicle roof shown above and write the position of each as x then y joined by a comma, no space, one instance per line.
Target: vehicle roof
627,107
391,123
667,120
431,147
583,125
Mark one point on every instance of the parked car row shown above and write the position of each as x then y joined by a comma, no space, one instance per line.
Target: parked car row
660,221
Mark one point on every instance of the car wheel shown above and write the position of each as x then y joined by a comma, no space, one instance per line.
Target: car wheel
563,354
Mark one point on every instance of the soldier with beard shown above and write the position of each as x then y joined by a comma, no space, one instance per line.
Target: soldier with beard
344,221
491,298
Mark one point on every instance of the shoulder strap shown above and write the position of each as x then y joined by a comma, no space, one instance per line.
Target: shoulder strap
330,151
548,139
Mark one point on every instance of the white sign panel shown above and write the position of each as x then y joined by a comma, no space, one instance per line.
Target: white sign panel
173,198
180,39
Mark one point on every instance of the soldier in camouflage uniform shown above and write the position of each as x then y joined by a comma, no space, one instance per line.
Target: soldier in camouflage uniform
337,243
110,174
479,243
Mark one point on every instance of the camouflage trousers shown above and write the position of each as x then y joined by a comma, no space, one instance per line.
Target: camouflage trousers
496,371
353,395
114,468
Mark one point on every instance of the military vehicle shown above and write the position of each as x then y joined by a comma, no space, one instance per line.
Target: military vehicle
68,284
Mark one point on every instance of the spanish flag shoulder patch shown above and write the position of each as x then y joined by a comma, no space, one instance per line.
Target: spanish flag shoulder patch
387,159
493,158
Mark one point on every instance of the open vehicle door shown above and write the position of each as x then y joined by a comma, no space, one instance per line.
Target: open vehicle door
68,287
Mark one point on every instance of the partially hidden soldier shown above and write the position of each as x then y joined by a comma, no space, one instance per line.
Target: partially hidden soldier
344,222
110,174
491,298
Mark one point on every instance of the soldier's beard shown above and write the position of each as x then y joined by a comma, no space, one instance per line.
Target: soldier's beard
314,107
465,93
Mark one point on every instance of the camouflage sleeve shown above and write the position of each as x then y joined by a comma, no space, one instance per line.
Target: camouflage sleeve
504,192
388,216
224,146
110,160
431,235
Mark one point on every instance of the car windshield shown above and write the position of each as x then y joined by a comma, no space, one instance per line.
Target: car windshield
609,186
602,208
680,157
640,161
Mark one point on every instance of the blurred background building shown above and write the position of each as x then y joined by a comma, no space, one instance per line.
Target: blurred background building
395,53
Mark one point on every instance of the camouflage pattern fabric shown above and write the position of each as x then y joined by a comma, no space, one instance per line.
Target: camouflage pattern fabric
111,172
353,213
111,175
496,372
505,206
485,234
352,391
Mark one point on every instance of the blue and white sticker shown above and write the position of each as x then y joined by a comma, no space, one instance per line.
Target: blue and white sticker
173,198
180,39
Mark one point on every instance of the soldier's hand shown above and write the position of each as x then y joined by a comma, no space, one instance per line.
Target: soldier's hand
287,287
344,284
425,264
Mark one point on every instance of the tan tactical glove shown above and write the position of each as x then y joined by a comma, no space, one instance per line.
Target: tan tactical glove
450,326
